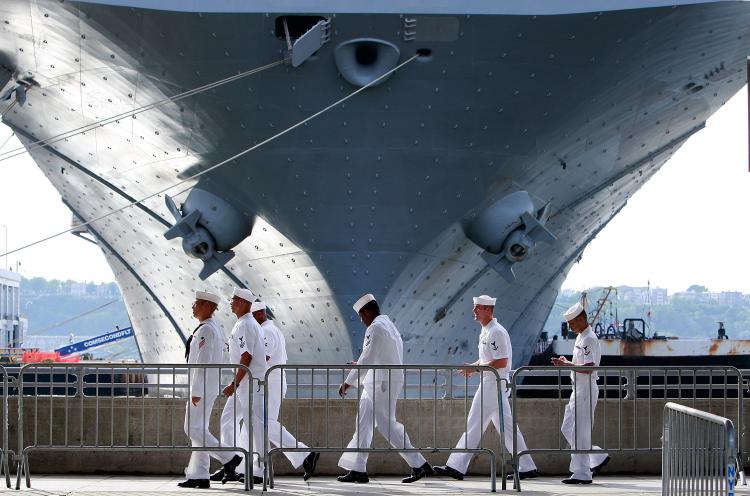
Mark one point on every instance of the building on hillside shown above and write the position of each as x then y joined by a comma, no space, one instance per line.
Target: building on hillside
569,293
12,325
730,298
659,296
78,289
644,295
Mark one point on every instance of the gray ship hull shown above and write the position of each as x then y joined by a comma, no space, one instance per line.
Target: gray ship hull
575,111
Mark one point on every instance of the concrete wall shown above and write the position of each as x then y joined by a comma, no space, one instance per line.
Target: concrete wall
159,422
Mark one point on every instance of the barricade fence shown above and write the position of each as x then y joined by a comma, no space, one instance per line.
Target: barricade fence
378,394
7,453
142,407
60,411
700,453
621,411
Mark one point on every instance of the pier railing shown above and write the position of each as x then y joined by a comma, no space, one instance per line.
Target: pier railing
424,408
92,407
6,453
699,456
626,404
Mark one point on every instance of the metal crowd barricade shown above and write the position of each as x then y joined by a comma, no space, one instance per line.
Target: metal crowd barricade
627,410
423,385
699,455
6,452
120,407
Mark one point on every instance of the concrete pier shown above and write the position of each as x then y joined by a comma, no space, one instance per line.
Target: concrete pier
53,485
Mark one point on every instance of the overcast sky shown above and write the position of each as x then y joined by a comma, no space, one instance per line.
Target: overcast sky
688,225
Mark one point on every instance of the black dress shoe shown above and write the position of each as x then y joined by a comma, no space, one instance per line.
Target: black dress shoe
595,471
418,472
226,470
232,476
311,461
354,476
529,474
448,471
256,479
571,480
195,483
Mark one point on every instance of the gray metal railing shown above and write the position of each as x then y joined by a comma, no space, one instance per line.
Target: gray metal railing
627,409
699,455
430,408
55,413
6,453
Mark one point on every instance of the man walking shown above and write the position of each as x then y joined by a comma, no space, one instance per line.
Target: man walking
381,389
494,351
204,346
276,355
246,347
579,412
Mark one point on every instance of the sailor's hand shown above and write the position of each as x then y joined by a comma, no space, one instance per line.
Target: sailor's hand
559,361
353,362
343,389
195,400
467,372
229,390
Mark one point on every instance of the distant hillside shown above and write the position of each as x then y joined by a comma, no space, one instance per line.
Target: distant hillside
687,314
53,308
47,303
51,304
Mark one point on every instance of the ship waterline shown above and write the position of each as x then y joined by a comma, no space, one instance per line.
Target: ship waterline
508,142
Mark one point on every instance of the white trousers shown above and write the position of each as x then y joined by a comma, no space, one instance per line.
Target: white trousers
577,426
377,407
482,412
277,433
236,410
197,418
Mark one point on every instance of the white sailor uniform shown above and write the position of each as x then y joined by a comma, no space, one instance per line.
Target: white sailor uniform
246,336
382,346
494,344
277,433
579,412
204,347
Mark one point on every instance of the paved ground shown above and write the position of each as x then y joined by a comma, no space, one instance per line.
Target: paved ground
54,485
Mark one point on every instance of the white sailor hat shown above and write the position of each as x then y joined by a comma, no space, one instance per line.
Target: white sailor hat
573,312
243,293
257,306
485,300
362,302
206,296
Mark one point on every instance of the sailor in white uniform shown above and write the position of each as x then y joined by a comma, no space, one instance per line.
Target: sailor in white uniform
579,412
246,347
381,388
276,355
494,351
204,346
